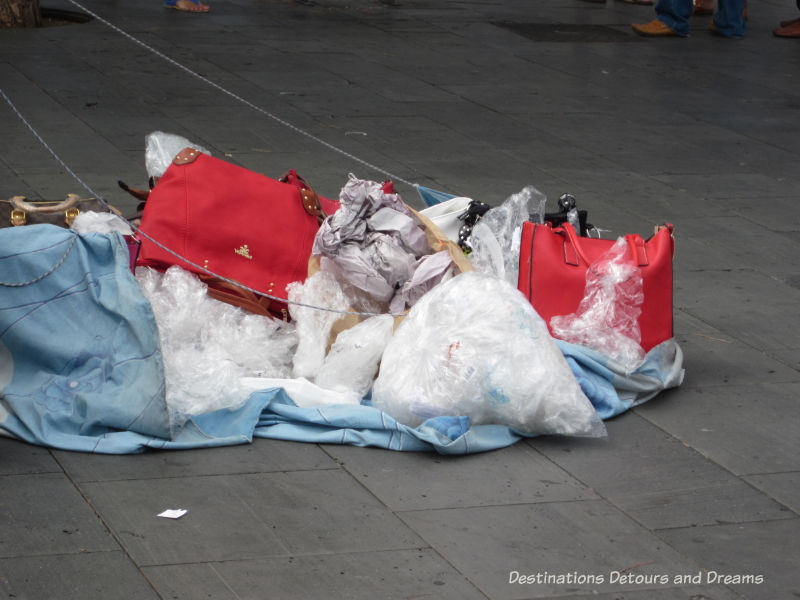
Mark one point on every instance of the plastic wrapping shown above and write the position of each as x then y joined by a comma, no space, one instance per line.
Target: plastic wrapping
208,346
314,326
161,148
475,347
445,215
100,222
607,316
352,362
574,219
377,244
504,224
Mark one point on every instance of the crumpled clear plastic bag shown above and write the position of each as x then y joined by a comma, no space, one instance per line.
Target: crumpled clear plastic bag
352,362
495,239
473,346
161,148
607,316
209,346
313,325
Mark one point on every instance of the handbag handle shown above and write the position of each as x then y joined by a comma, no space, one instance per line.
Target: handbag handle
19,203
573,243
308,196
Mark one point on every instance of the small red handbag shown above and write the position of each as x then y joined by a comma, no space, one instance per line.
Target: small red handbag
236,223
552,273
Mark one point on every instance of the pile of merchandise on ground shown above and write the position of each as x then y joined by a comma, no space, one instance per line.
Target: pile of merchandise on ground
391,337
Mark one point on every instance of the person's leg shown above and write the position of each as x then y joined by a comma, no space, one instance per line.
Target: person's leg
729,20
672,18
703,7
790,28
675,14
187,5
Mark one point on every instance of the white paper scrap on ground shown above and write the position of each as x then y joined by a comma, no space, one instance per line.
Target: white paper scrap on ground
173,513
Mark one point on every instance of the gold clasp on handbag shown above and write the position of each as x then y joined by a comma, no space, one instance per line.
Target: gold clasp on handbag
18,217
70,215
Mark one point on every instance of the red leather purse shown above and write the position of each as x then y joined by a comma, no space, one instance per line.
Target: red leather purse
236,223
552,273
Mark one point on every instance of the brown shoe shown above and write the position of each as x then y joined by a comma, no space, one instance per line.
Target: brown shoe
703,7
792,30
654,28
790,22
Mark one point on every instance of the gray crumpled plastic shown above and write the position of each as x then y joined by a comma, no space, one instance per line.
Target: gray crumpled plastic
379,246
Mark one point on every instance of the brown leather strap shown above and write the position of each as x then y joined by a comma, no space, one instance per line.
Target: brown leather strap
140,195
309,197
186,156
237,296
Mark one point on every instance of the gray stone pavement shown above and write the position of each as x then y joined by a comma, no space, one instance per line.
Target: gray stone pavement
694,495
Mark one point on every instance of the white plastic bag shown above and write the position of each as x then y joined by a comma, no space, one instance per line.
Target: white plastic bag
314,326
445,215
352,362
474,346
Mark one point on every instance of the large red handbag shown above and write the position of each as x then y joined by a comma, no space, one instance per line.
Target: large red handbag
552,273
236,223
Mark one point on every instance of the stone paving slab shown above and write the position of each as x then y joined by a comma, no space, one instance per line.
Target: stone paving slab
43,514
636,470
588,540
748,305
743,428
393,575
21,459
737,551
784,487
717,358
706,592
73,577
417,481
262,456
238,517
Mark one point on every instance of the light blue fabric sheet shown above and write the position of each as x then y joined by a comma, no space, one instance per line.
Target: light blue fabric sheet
79,348
80,368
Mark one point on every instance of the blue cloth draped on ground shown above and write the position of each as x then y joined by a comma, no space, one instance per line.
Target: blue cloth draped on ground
81,369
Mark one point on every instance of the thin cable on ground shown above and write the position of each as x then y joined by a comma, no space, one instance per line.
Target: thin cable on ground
163,247
218,87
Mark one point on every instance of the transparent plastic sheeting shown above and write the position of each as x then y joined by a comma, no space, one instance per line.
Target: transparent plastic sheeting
475,347
161,148
215,354
607,316
209,346
100,222
495,239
